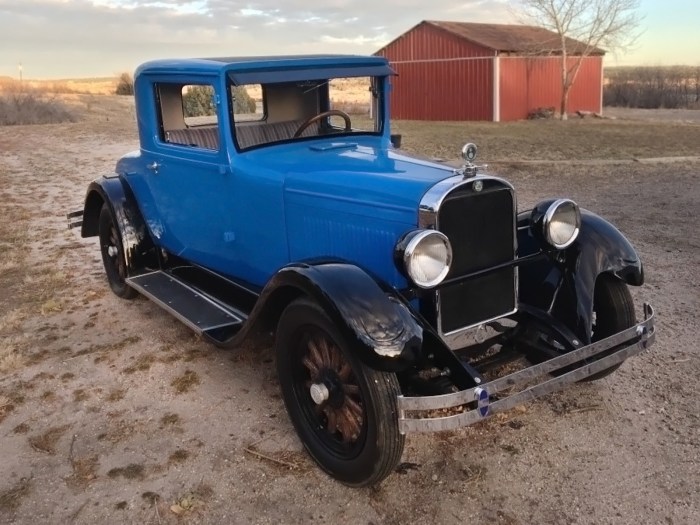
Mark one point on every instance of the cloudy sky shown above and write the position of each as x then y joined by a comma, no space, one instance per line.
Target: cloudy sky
88,38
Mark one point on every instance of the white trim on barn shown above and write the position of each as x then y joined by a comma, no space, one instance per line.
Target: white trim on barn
496,87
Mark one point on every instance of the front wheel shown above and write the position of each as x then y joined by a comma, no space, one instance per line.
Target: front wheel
113,255
613,311
344,412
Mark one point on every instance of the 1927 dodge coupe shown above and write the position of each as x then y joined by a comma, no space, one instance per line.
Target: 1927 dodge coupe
405,295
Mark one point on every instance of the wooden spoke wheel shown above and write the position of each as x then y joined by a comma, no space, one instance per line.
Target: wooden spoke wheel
344,412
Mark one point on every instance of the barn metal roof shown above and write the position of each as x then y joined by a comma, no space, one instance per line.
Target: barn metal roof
509,37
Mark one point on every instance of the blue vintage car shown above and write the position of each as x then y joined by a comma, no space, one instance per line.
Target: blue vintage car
399,289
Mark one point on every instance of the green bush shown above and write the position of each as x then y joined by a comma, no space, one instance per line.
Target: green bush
242,101
125,85
197,102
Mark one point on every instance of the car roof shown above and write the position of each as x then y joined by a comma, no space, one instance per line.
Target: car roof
281,68
217,64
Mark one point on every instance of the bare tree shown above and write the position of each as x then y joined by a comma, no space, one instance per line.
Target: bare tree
583,27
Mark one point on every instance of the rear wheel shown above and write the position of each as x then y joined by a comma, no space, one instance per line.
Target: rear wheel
344,412
113,255
613,310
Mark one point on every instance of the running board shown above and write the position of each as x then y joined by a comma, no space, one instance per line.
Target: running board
194,308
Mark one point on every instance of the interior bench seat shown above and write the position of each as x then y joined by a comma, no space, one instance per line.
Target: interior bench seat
247,134
207,138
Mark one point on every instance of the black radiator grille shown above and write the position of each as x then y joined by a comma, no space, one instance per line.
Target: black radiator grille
480,228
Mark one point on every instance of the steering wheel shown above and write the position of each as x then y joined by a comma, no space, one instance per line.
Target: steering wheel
321,115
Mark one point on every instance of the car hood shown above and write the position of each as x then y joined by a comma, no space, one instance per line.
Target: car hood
361,175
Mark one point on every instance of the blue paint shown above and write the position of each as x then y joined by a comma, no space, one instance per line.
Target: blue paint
247,214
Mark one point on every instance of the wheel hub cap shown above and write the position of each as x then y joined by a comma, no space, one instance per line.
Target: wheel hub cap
319,393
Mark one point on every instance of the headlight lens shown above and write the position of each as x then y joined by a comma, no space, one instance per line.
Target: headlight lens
427,258
562,222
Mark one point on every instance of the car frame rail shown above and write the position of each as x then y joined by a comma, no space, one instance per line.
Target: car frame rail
482,401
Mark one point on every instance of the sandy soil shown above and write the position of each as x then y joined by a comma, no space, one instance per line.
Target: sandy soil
113,412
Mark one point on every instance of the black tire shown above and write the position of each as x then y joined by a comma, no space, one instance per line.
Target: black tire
614,311
353,434
113,255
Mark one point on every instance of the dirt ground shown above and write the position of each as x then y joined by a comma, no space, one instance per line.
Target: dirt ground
113,412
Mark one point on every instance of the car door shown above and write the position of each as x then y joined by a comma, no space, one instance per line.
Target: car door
187,174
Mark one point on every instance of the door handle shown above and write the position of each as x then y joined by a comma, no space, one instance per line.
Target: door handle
153,166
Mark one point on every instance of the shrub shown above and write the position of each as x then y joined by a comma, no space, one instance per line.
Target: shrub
242,101
652,87
197,101
29,108
125,85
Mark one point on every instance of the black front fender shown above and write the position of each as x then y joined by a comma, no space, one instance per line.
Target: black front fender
565,288
115,191
387,337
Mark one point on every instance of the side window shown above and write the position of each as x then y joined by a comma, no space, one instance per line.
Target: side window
248,103
199,105
188,115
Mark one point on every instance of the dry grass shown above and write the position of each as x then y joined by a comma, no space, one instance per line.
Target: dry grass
6,406
18,109
115,395
119,431
185,382
142,364
48,441
193,500
579,139
80,395
12,498
13,319
13,353
178,456
131,471
22,428
84,471
85,86
169,420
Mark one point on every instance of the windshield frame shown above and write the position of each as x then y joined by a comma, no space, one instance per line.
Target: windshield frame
377,87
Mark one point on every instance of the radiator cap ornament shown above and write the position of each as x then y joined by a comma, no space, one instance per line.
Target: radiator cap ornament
469,152
469,155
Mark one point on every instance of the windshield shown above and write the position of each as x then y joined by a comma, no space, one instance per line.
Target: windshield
286,111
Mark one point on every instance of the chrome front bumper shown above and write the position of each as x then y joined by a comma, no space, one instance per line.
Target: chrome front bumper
477,402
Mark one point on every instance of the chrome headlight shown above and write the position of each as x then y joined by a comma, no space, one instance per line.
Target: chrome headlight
559,223
426,256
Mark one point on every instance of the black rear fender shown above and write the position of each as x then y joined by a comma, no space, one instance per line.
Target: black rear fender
139,249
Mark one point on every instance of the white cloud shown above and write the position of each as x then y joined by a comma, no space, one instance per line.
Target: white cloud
360,40
61,38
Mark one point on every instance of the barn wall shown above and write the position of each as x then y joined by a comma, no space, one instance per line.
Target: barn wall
528,83
440,77
459,90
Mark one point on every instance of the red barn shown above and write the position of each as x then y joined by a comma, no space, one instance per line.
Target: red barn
463,71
